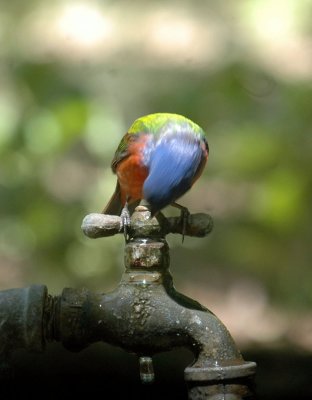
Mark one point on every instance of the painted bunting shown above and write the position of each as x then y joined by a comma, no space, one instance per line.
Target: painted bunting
158,159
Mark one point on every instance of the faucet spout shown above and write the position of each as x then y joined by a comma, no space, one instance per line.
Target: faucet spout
146,315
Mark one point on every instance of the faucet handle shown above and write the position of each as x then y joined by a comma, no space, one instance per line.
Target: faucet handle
97,225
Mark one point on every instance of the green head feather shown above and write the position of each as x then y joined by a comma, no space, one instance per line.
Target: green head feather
153,123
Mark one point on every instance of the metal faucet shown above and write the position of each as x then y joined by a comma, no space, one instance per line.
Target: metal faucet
144,314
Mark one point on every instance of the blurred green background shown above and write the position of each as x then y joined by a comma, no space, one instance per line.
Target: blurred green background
74,75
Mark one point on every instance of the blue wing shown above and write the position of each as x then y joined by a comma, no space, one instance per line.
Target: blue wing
173,168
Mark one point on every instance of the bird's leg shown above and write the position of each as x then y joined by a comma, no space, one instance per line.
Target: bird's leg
184,217
125,220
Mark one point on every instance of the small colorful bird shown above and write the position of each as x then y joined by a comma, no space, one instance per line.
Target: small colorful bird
158,159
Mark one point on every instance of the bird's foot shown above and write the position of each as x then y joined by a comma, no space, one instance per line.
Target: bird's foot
125,221
183,217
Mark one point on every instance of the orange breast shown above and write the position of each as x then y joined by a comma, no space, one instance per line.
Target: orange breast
132,174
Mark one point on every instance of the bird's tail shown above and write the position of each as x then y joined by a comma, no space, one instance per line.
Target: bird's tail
115,206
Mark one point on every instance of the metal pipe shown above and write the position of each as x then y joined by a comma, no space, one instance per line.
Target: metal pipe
21,322
144,314
21,316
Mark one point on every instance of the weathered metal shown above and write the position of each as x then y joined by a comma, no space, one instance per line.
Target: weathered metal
152,316
144,314
101,225
21,322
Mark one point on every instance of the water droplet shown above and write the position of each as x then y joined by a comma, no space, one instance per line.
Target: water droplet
147,374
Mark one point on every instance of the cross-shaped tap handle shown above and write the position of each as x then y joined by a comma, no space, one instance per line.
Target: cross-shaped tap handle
97,225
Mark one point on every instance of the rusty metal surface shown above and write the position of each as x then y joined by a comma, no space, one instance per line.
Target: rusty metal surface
21,323
21,314
229,390
97,225
144,314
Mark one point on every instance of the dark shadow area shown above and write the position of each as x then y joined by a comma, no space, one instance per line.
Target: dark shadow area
282,373
101,369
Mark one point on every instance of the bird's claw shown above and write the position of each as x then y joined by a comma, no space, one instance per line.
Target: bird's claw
125,221
184,219
184,216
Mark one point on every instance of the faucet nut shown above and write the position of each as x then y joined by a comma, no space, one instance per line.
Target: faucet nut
146,255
